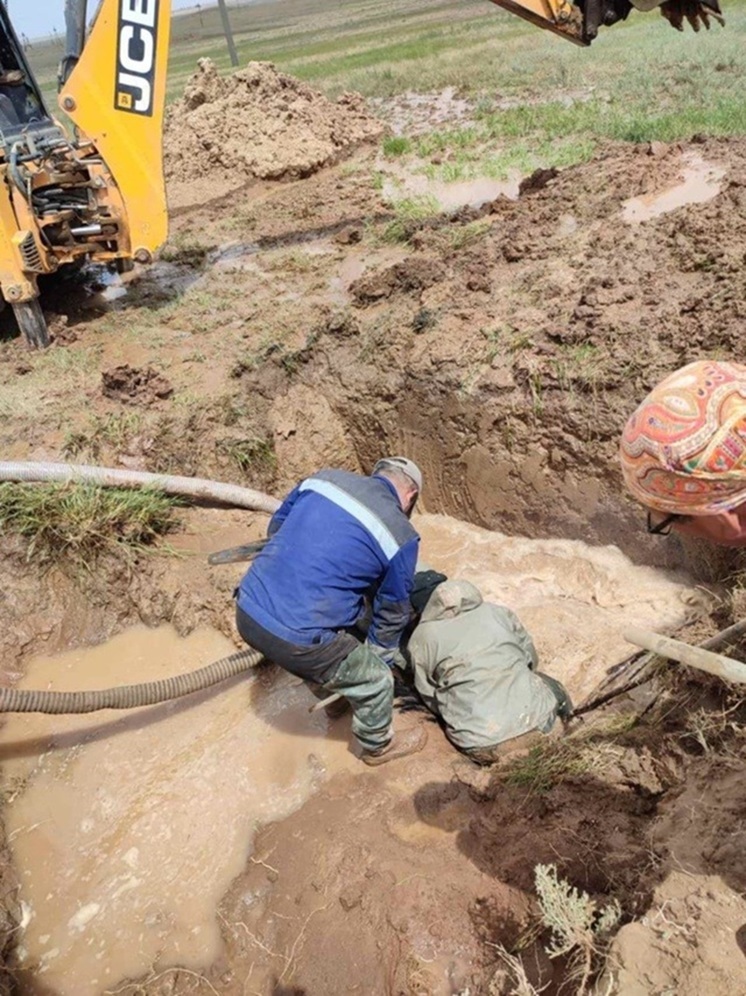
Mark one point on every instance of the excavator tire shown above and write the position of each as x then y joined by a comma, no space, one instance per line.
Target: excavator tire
32,323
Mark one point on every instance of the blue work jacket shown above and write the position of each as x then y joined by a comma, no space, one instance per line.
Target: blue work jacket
336,538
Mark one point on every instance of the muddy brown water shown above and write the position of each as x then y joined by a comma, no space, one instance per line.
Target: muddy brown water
699,183
127,830
401,183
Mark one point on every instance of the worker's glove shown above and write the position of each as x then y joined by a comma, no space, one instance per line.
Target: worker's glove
695,12
564,702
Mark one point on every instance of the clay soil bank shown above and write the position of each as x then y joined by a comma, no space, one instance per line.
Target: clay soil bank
315,322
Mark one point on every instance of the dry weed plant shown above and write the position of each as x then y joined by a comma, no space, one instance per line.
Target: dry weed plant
513,975
579,928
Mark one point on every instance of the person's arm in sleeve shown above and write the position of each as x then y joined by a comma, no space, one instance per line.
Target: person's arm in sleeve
282,512
522,636
391,607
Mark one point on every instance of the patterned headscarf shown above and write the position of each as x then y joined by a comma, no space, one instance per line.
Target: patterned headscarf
684,449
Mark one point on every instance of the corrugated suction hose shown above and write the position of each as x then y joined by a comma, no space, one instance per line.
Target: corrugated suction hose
128,696
107,477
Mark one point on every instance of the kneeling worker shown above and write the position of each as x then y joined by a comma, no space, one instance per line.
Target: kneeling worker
335,538
474,667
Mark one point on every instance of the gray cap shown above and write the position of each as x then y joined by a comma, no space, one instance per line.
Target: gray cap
408,467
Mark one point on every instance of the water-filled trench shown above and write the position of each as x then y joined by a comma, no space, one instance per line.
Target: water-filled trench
126,831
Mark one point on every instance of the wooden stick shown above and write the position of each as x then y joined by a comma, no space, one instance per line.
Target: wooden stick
684,653
323,703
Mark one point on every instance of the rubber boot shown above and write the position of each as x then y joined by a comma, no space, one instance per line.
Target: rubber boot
401,745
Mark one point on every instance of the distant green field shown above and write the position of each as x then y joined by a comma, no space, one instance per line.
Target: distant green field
640,79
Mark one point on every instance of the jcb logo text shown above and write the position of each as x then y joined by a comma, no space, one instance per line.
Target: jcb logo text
136,55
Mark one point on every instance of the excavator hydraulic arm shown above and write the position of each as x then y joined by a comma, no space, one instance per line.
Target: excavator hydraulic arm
579,22
95,192
116,95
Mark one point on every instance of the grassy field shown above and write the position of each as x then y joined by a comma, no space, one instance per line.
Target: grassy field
639,81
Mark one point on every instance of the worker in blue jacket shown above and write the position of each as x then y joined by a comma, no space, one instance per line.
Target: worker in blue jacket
337,539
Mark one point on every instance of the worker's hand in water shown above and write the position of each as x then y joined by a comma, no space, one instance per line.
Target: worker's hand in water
695,13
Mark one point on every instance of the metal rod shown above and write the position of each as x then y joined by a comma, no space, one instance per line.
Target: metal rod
323,703
228,33
684,653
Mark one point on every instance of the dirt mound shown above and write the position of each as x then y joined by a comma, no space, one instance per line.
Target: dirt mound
259,123
133,385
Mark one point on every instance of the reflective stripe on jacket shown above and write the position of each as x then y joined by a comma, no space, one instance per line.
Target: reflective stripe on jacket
337,537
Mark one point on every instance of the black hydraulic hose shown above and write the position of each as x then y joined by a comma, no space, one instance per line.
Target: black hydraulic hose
14,171
128,696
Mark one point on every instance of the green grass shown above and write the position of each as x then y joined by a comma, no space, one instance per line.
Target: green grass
410,212
594,748
539,100
114,430
248,454
396,145
76,523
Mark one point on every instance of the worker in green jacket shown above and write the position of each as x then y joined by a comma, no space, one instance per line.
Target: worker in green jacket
474,665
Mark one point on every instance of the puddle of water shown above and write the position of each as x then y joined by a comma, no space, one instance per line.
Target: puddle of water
400,184
351,269
410,113
129,828
574,599
236,256
700,182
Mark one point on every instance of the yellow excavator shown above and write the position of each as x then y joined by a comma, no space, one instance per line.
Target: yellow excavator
95,193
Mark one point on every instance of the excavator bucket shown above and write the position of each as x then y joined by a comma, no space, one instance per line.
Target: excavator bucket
116,95
579,22
559,16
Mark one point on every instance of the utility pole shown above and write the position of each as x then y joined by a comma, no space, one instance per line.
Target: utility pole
228,33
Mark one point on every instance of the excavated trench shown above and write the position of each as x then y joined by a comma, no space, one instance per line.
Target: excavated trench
126,833
236,836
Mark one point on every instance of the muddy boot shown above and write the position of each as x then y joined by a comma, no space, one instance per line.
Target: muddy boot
401,745
498,752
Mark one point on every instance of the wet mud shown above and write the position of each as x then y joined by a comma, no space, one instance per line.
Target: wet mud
501,342
126,830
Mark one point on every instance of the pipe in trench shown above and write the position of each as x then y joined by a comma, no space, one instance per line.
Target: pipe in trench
128,696
196,488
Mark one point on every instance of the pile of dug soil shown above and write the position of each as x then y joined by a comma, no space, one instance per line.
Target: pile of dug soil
259,123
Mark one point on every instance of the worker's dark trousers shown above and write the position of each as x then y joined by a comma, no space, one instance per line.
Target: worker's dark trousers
341,664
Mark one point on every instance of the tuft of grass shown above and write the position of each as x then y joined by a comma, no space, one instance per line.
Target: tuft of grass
184,252
466,235
114,430
396,145
583,365
555,761
248,454
78,522
410,212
